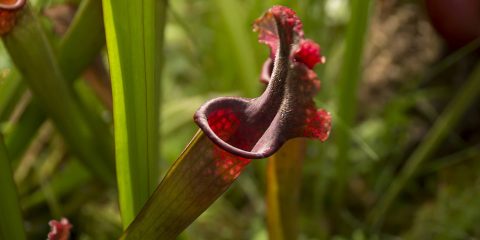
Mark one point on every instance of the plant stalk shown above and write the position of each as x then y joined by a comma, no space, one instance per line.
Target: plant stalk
199,176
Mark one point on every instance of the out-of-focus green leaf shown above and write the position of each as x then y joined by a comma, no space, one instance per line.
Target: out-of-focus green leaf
11,223
10,90
198,177
349,78
134,39
82,43
33,55
20,134
67,180
243,52
181,111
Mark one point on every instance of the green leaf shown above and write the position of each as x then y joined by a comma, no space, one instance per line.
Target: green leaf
11,224
284,173
33,55
198,177
350,76
134,32
83,41
240,44
10,90
20,134
70,178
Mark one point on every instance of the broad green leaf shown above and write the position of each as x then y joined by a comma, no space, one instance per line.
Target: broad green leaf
33,55
134,32
11,223
198,177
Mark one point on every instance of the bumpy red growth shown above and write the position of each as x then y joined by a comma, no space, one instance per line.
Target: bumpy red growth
59,230
308,53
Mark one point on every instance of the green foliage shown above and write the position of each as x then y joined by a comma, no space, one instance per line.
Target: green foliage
39,66
134,38
401,163
11,224
439,131
348,83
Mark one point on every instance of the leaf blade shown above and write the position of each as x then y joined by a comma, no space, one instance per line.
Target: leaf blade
134,32
11,224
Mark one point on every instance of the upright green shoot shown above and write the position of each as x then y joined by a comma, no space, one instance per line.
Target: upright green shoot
134,32
350,76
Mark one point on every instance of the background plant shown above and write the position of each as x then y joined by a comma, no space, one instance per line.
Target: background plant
406,79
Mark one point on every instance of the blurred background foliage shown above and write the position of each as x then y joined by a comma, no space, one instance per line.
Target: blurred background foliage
408,76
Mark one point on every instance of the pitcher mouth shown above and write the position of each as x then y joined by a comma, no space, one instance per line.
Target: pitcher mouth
215,109
15,5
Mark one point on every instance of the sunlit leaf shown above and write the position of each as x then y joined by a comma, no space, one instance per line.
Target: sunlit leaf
134,39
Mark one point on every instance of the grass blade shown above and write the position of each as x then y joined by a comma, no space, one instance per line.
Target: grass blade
134,39
11,223
33,55
83,41
198,177
451,116
284,171
347,88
